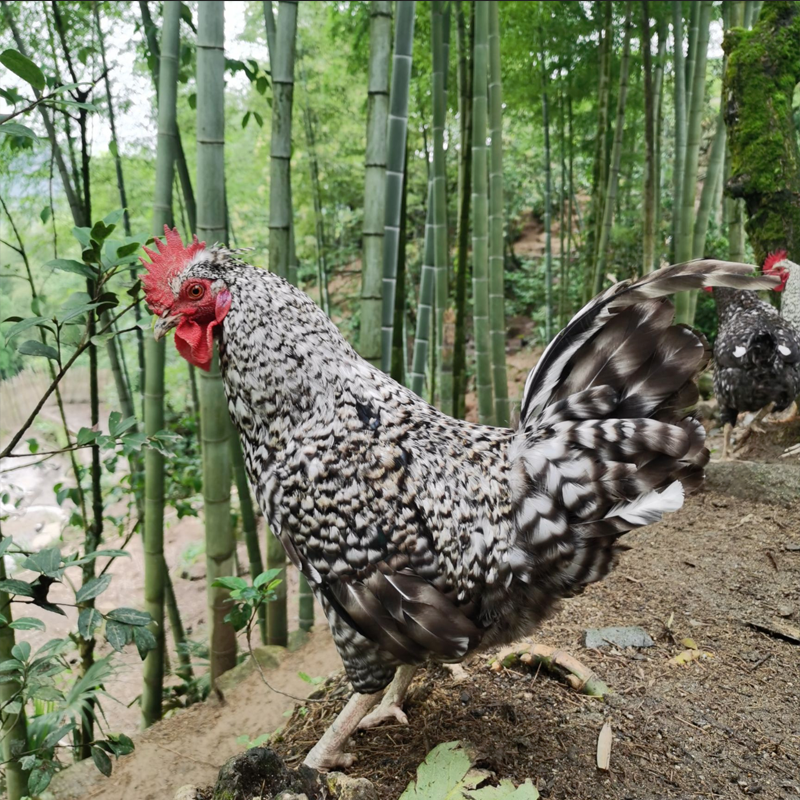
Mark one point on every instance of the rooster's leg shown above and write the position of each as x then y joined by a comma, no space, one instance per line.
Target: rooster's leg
391,707
755,425
727,450
328,752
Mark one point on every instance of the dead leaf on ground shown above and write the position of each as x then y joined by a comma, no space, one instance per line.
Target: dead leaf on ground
687,656
604,747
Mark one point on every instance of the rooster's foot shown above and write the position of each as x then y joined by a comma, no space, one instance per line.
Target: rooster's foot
390,708
328,752
390,712
794,450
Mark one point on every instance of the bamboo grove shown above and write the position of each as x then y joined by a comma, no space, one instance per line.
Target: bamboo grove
388,158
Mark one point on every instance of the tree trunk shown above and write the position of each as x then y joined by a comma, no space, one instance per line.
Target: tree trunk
695,106
215,425
395,163
280,190
380,49
480,233
616,156
765,163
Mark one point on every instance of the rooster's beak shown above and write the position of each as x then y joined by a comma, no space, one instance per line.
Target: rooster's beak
165,324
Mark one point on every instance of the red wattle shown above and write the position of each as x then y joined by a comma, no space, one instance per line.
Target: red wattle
196,342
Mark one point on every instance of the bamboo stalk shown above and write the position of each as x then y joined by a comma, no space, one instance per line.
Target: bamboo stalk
400,334
548,204
497,317
215,426
679,76
465,69
280,192
427,283
616,157
316,191
249,524
181,167
14,726
155,571
395,163
683,300
480,232
439,199
380,48
600,171
650,189
658,103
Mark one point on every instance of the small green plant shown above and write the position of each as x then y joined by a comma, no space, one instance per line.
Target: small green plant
248,599
245,741
43,681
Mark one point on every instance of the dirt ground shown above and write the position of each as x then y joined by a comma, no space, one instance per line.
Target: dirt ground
725,725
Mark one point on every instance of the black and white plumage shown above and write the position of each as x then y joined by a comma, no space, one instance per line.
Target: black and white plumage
756,357
425,537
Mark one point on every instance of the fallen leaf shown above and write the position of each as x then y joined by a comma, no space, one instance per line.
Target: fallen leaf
447,774
686,656
689,643
604,747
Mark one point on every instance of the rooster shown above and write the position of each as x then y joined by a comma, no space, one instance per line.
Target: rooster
756,354
425,537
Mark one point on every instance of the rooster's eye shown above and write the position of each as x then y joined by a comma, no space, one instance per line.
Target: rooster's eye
196,291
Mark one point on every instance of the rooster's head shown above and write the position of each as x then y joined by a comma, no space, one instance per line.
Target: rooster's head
183,292
778,265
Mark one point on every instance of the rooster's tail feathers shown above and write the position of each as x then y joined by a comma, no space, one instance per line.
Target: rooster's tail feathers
605,442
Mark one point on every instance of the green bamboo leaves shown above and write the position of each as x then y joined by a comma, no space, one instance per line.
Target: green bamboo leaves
155,572
395,169
215,423
380,48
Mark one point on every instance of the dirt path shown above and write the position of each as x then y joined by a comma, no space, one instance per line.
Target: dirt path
726,725
723,726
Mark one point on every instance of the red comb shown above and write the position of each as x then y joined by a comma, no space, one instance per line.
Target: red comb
773,259
170,259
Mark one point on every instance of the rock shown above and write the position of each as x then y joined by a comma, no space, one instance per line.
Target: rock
260,772
343,787
785,610
764,483
187,792
633,636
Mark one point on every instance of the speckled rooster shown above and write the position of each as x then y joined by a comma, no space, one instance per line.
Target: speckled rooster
425,537
756,354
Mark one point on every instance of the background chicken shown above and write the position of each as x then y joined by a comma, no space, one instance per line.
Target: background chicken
756,354
425,537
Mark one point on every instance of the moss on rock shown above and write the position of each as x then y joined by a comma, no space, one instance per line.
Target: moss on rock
763,70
